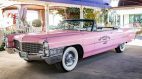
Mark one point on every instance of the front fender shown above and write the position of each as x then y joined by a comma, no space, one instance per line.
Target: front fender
10,41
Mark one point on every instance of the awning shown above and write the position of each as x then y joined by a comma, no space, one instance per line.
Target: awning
91,3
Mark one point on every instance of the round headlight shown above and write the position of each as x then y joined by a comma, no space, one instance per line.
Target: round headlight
46,48
45,45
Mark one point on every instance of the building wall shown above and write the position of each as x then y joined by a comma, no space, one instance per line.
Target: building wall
126,19
125,14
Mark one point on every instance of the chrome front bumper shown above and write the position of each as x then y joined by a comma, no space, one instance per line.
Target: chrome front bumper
31,56
40,56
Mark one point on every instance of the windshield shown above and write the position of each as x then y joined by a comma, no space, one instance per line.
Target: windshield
80,25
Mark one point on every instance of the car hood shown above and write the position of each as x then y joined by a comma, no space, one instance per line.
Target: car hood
40,37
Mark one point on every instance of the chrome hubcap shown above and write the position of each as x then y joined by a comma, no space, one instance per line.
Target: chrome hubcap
69,59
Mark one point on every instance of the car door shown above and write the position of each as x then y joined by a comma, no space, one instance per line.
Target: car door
95,42
101,41
115,37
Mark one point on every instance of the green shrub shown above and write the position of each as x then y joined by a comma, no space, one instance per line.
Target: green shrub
2,47
36,23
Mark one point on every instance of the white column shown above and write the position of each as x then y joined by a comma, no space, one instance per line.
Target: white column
108,17
81,15
81,12
121,20
126,19
47,17
116,17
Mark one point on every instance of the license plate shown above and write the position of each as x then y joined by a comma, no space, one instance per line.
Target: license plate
24,55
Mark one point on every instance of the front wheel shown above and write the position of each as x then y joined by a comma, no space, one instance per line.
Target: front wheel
120,48
69,60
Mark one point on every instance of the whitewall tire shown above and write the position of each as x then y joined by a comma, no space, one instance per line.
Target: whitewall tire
120,48
69,60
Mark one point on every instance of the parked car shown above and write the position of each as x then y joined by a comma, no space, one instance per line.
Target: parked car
71,41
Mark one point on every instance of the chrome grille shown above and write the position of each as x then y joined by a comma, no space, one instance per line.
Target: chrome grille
28,47
17,44
31,47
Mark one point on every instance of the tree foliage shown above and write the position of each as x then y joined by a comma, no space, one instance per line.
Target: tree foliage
70,13
104,16
74,13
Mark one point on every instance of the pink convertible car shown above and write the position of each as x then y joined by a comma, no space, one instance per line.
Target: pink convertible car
70,41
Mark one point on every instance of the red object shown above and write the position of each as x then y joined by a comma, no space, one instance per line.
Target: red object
14,19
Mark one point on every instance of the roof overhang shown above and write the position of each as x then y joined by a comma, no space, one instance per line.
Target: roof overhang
91,3
66,3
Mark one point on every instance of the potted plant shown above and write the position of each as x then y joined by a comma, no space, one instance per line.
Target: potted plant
36,25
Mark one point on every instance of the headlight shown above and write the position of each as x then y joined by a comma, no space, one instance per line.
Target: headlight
45,45
46,48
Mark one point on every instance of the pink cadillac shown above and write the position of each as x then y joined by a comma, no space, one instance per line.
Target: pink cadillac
71,41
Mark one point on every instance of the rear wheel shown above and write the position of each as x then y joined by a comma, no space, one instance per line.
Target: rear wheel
69,60
120,48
